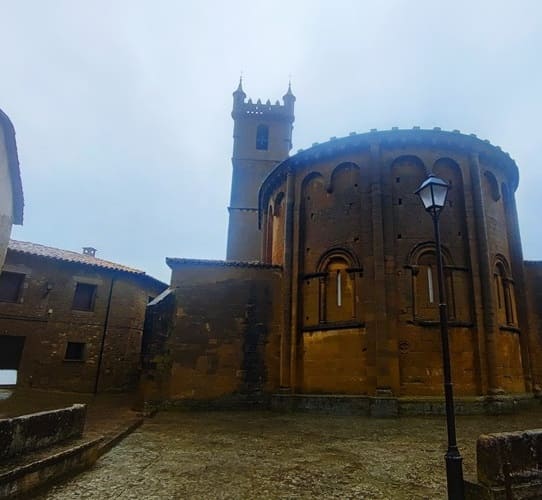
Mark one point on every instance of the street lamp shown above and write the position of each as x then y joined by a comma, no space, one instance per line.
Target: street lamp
433,192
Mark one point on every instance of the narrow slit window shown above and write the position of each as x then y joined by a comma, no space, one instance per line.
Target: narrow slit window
512,320
339,289
499,292
506,308
336,292
430,285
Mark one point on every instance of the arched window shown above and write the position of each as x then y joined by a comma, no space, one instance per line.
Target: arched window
262,137
425,291
339,291
330,295
505,296
492,186
426,287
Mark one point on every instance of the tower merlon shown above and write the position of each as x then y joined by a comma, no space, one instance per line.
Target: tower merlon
250,109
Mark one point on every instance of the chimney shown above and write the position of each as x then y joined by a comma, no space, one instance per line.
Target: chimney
91,251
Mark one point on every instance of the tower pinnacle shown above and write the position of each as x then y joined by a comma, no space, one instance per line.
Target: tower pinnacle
239,92
239,95
289,98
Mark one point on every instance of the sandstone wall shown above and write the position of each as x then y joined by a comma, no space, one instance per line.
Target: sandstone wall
358,226
223,338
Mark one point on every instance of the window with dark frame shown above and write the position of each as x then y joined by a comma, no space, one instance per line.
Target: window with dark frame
83,298
75,351
10,286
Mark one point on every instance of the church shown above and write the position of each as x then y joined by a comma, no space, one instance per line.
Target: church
328,293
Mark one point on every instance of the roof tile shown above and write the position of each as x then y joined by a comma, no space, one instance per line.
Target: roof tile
67,256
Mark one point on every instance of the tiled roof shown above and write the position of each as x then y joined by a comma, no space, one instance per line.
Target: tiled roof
68,256
175,261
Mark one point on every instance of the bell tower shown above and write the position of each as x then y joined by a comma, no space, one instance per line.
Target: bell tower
262,138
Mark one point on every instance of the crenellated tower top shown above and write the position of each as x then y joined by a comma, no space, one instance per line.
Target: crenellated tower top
254,109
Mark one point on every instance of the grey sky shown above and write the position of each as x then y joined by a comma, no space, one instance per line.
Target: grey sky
122,108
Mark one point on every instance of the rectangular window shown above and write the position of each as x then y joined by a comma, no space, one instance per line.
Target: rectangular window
83,299
10,286
75,351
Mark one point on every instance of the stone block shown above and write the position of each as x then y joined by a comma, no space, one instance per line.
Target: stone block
384,407
31,432
509,456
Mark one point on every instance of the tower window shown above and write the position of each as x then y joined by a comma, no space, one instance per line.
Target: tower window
262,137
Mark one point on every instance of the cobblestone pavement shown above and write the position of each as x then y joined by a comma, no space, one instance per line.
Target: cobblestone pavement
236,455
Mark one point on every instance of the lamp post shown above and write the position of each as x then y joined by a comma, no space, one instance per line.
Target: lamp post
433,192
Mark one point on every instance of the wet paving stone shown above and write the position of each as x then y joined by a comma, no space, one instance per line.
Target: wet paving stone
245,455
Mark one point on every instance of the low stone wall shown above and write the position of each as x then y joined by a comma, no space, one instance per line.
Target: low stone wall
388,406
509,465
474,405
336,404
38,430
22,479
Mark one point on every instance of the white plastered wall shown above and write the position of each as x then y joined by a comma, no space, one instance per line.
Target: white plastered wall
6,197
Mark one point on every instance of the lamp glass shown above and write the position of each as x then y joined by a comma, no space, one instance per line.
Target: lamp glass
440,192
433,193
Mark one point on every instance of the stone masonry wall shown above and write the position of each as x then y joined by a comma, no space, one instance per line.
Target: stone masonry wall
533,275
224,336
359,228
43,319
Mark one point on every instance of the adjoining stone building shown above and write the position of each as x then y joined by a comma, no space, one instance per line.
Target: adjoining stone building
329,286
71,321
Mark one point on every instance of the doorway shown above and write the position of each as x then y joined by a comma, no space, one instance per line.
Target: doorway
11,351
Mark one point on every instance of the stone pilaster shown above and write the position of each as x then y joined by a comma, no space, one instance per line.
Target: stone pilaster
285,343
486,277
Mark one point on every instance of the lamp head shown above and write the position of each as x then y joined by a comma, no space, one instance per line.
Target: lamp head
433,192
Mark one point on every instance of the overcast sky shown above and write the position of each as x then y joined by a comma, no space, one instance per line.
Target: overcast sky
122,108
